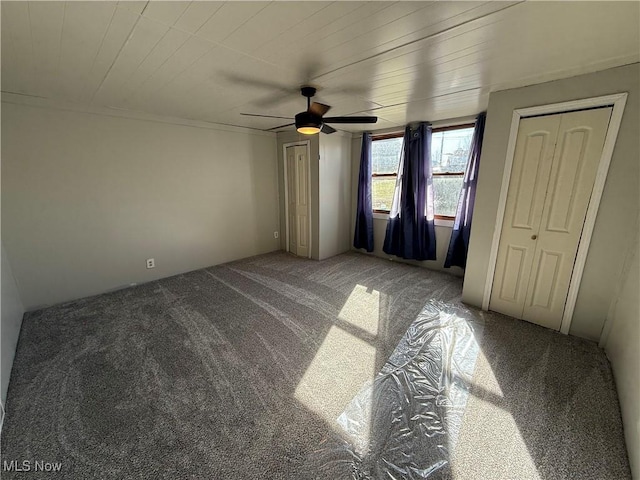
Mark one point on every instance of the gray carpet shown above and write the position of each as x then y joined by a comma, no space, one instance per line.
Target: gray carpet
240,371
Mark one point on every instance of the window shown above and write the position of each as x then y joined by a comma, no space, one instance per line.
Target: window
385,157
449,154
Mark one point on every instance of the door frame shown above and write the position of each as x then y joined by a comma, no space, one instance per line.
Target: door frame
301,143
617,101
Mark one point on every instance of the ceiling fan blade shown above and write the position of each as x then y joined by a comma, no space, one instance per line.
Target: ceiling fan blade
280,126
265,116
327,129
350,119
319,108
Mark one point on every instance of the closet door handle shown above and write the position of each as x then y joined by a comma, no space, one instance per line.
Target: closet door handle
533,237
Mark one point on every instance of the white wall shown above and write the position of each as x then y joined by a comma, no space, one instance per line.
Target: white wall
11,313
335,194
443,233
86,198
613,232
623,349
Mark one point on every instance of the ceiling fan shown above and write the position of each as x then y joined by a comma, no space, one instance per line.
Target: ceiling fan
312,120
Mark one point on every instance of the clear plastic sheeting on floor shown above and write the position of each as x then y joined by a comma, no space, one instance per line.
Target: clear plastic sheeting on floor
405,423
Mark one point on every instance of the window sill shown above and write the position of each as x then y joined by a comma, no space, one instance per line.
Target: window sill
439,222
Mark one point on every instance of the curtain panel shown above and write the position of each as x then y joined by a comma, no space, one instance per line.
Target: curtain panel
411,229
363,237
459,243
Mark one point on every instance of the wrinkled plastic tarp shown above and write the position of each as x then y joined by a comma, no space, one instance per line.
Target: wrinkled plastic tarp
405,423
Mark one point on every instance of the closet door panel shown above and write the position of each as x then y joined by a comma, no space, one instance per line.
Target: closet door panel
575,163
523,213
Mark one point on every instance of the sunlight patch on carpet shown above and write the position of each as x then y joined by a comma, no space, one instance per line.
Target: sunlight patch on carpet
342,365
362,309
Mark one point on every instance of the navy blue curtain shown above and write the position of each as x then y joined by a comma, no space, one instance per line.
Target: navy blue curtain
363,237
459,243
411,230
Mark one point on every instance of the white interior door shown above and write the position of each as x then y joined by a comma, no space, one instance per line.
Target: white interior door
554,171
298,199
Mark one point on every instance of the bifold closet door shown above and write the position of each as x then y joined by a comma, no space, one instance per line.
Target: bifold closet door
554,170
298,199
523,212
573,174
292,194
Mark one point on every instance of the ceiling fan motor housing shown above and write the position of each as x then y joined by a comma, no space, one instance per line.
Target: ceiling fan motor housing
308,119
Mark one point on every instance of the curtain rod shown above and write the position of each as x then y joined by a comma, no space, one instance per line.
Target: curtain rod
438,124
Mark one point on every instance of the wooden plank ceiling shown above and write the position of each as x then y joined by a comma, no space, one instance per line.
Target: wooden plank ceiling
209,61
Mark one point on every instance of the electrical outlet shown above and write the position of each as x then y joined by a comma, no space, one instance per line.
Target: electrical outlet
151,263
276,234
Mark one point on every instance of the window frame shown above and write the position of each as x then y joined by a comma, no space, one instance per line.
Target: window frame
443,174
386,136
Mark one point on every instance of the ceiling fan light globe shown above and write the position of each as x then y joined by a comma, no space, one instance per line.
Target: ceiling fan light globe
308,130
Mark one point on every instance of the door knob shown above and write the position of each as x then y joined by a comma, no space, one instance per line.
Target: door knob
533,237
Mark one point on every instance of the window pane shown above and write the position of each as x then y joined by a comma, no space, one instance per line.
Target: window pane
382,192
450,150
446,190
385,155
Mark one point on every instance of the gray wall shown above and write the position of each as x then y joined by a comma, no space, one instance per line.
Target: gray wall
443,233
623,349
613,231
335,194
86,198
11,312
